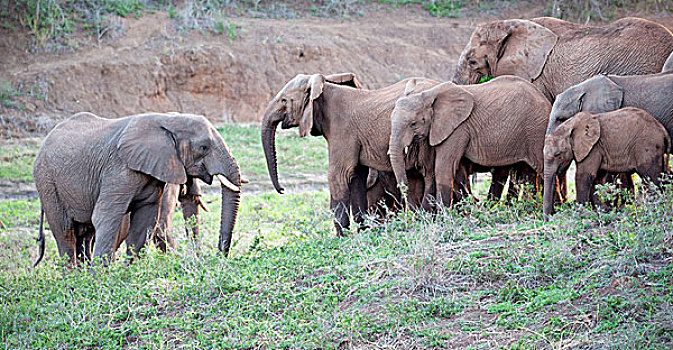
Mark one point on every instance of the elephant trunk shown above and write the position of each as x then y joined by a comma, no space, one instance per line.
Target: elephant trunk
230,202
461,76
269,124
396,153
230,177
548,196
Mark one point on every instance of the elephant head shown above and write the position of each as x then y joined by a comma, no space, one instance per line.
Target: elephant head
516,47
293,107
176,147
573,139
595,95
434,113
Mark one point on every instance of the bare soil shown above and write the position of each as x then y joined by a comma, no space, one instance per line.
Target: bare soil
150,66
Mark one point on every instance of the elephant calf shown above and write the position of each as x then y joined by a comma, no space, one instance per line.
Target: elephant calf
626,140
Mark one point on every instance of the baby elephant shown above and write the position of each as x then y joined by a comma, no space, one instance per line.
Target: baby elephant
626,140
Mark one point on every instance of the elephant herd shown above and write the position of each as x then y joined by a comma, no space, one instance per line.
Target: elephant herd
555,92
430,135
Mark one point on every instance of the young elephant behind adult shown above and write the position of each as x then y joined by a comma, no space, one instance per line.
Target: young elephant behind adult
626,140
498,123
93,171
605,93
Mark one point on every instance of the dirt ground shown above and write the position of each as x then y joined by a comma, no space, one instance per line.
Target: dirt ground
150,66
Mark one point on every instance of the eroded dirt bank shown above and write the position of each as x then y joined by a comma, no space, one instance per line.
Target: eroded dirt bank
154,68
150,66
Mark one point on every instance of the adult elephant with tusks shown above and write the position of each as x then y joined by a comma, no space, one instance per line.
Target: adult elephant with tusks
356,124
92,170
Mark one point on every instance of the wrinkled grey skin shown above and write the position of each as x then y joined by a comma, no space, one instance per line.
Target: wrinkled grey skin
452,119
554,54
356,125
626,140
604,93
93,171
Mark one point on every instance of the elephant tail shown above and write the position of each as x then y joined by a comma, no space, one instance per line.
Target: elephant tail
667,151
40,239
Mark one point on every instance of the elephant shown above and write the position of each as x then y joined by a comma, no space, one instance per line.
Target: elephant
93,171
605,93
356,125
498,123
189,196
554,54
624,140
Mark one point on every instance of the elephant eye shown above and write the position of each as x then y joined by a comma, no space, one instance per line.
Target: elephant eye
472,62
283,100
204,148
413,124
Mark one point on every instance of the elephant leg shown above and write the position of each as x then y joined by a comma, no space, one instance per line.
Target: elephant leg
84,234
358,193
584,181
107,218
429,191
461,182
499,179
161,235
62,226
447,162
651,172
143,221
527,177
339,174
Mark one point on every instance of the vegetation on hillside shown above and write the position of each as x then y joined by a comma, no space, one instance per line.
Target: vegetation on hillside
52,23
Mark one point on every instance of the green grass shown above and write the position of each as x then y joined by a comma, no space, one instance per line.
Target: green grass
416,280
17,160
486,275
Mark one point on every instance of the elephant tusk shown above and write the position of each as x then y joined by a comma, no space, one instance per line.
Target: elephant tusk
226,183
406,150
244,180
202,204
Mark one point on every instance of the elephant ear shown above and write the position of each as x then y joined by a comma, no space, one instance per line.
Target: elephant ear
451,106
347,79
523,48
585,133
602,95
145,145
313,91
372,178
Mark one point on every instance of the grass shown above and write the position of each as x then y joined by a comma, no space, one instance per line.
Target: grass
487,275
